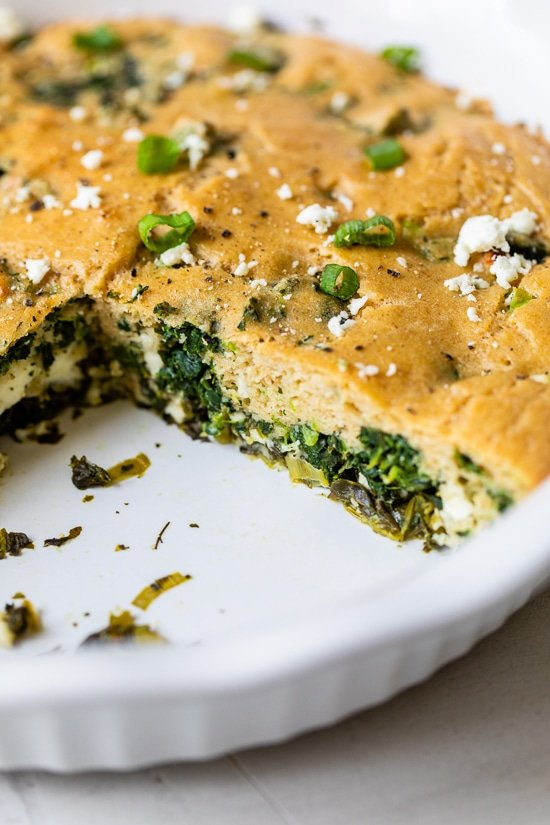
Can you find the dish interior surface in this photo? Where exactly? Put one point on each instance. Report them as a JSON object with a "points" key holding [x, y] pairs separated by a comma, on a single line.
{"points": [[271, 563]]}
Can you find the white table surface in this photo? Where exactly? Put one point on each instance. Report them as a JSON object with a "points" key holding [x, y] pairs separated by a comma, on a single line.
{"points": [[471, 745]]}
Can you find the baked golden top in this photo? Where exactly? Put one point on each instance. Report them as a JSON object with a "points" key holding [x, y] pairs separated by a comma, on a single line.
{"points": [[431, 363]]}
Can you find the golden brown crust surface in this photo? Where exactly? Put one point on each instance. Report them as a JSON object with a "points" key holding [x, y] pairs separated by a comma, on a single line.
{"points": [[462, 383]]}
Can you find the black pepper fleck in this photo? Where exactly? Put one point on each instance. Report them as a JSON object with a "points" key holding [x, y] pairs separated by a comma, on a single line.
{"points": [[226, 233]]}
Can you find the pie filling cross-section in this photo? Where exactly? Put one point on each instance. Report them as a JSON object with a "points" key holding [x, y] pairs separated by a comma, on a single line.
{"points": [[285, 242]]}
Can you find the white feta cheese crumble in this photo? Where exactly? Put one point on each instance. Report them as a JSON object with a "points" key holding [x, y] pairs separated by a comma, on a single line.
{"points": [[243, 267], [232, 173], [192, 139], [256, 283], [313, 270], [399, 172], [480, 234], [498, 149], [87, 197], [319, 217], [392, 369], [485, 232], [174, 80], [356, 304], [465, 284], [132, 135], [180, 254], [274, 171], [77, 114], [370, 212], [524, 222], [338, 324], [11, 27], [185, 61], [22, 194], [339, 102], [346, 201], [246, 80], [284, 192], [50, 202], [472, 315], [507, 268], [400, 261], [37, 269], [92, 159], [367, 370], [236, 210]]}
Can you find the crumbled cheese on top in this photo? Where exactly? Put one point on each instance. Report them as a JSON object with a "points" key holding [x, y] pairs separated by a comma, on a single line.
{"points": [[524, 222], [356, 304], [132, 135], [485, 232], [78, 114], [87, 197], [50, 202], [320, 217], [507, 268], [367, 370], [480, 234], [192, 140], [284, 192], [92, 159], [339, 102], [472, 315], [180, 254], [345, 200], [392, 369], [37, 269], [243, 267], [338, 324], [465, 284], [246, 80]]}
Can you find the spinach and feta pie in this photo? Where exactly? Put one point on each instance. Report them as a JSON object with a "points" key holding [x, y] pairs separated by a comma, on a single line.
{"points": [[285, 242]]}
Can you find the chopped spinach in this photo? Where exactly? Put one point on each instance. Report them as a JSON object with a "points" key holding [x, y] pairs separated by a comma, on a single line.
{"points": [[11, 544], [85, 474]]}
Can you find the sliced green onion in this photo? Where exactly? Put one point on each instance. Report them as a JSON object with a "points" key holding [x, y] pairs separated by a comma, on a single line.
{"points": [[157, 154], [376, 231], [100, 39], [518, 298], [404, 58], [182, 226], [386, 154], [340, 281], [259, 58]]}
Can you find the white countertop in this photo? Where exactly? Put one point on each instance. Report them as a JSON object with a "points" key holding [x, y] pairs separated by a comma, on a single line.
{"points": [[471, 745]]}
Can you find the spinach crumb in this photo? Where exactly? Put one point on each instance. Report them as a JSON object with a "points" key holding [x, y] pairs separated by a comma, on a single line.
{"points": [[11, 544], [73, 533], [86, 474], [18, 621], [122, 628]]}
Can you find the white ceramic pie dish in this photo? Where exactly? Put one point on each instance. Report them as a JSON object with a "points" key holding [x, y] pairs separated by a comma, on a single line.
{"points": [[296, 614]]}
